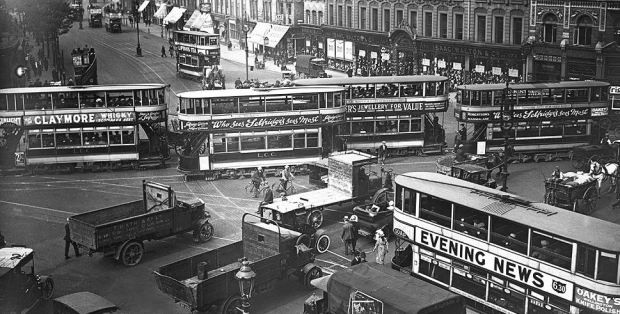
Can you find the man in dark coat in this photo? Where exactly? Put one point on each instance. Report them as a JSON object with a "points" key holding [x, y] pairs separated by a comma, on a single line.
{"points": [[68, 242], [355, 230], [347, 235]]}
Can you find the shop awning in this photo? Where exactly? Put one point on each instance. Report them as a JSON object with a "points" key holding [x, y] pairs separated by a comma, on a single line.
{"points": [[205, 23], [161, 12], [258, 34], [276, 33], [143, 5], [191, 21], [174, 15]]}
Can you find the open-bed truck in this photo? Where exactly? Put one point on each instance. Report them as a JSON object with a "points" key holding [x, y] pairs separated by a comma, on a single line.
{"points": [[119, 231], [206, 282]]}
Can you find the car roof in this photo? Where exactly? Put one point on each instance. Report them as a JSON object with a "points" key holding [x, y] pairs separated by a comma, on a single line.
{"points": [[86, 302]]}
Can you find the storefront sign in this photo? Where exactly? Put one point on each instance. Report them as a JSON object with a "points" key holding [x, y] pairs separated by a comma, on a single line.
{"points": [[596, 301], [187, 49], [513, 72], [496, 264], [496, 71], [475, 52], [348, 50], [548, 58], [614, 90], [331, 48], [426, 62], [373, 55], [13, 120], [441, 64], [480, 68], [79, 118], [599, 112], [385, 56], [308, 44], [340, 49], [262, 122], [362, 53], [156, 116], [457, 66]]}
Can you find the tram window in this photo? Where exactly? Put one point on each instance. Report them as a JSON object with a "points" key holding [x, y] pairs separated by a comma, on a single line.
{"points": [[412, 90], [64, 100], [409, 201], [387, 90], [470, 221], [507, 298], [548, 129], [299, 140], [607, 267], [312, 139], [434, 268], [404, 126], [115, 138], [441, 88], [431, 89], [219, 143], [464, 96], [604, 94], [435, 210], [232, 144], [306, 101], [252, 143], [509, 235], [89, 138], [68, 139], [416, 125], [251, 104], [470, 279], [92, 99], [338, 99], [383, 126], [120, 99], [4, 105], [37, 101], [559, 304], [279, 141], [194, 106], [277, 103], [551, 250], [575, 128], [586, 260], [577, 95], [35, 141], [330, 100], [224, 105], [525, 129], [184, 102], [362, 127], [48, 140], [128, 137]]}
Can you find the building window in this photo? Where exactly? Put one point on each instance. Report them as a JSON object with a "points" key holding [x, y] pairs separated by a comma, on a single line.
{"points": [[340, 17], [308, 17], [458, 26], [374, 18], [481, 28], [399, 17], [386, 20], [499, 29], [517, 30], [413, 19], [428, 24], [314, 20], [362, 18], [331, 14], [443, 25], [349, 17], [550, 28], [320, 17], [583, 31]]}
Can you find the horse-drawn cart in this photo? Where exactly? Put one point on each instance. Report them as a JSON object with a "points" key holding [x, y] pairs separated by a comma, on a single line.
{"points": [[582, 154], [576, 195]]}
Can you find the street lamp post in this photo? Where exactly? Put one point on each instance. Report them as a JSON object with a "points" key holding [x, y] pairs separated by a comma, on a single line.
{"points": [[246, 29], [506, 128], [136, 15], [246, 277]]}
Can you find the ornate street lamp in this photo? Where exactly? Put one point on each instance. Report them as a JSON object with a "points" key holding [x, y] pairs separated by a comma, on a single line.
{"points": [[246, 29], [246, 277], [136, 18]]}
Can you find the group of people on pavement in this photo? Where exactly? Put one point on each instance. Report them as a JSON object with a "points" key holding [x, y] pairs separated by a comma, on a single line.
{"points": [[350, 235]]}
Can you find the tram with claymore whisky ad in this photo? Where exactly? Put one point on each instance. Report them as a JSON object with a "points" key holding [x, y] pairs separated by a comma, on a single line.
{"points": [[405, 112], [93, 127], [504, 253], [231, 132], [543, 121]]}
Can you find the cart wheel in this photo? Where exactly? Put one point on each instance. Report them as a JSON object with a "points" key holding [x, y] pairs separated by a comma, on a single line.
{"points": [[315, 219], [591, 199], [232, 305], [314, 273], [322, 243], [47, 288], [205, 232], [132, 253], [303, 239]]}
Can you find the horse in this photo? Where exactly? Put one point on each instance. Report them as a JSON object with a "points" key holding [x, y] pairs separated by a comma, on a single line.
{"points": [[609, 170]]}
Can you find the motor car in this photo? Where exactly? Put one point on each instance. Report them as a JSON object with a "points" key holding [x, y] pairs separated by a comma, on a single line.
{"points": [[83, 303]]}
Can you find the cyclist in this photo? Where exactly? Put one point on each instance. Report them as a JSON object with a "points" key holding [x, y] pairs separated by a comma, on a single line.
{"points": [[287, 177], [258, 177]]}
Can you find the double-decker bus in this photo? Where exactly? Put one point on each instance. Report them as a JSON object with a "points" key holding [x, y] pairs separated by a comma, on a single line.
{"points": [[506, 254], [88, 127], [544, 120], [404, 111], [230, 132], [84, 66], [197, 53]]}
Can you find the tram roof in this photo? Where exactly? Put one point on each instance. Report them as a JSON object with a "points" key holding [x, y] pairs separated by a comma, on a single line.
{"points": [[80, 88], [570, 225], [197, 33], [522, 86], [359, 80], [257, 92]]}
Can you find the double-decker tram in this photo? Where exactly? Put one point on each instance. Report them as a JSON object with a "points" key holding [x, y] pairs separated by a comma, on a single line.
{"points": [[197, 53], [89, 127], [404, 111], [543, 120], [231, 132], [504, 253]]}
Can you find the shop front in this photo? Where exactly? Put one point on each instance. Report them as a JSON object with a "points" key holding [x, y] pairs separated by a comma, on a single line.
{"points": [[309, 40], [366, 53]]}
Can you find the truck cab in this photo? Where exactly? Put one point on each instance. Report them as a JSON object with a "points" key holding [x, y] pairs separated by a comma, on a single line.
{"points": [[20, 286]]}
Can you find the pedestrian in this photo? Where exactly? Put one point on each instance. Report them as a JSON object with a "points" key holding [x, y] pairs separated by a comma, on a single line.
{"points": [[360, 257], [355, 231], [381, 246], [463, 133], [68, 242], [171, 49], [605, 140], [383, 152], [163, 51], [347, 235], [45, 64]]}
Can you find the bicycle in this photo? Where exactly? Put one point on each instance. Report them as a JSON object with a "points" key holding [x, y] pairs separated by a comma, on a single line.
{"points": [[251, 190], [290, 188]]}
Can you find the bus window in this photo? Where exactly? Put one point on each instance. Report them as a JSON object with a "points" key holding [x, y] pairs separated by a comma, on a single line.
{"points": [[92, 99], [68, 139], [48, 140], [35, 141], [232, 144], [431, 89], [224, 105], [404, 126], [252, 143], [251, 104], [277, 103], [554, 251], [219, 143], [128, 137], [435, 268], [577, 95], [508, 295], [65, 100], [409, 201], [312, 139], [37, 101], [469, 278], [470, 221], [362, 127], [120, 99], [607, 267], [435, 210], [279, 141], [115, 138], [508, 234], [586, 260]]}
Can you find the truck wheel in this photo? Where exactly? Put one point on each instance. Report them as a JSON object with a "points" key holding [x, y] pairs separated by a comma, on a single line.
{"points": [[315, 219], [132, 253], [47, 288], [322, 243], [303, 239], [205, 232], [232, 305], [314, 273]]}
